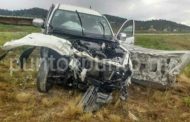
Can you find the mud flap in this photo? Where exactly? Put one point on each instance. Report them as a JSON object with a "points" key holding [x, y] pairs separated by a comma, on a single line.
{"points": [[3, 55], [93, 99], [25, 55]]}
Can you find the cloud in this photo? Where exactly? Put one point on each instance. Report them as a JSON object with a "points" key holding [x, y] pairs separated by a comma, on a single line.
{"points": [[175, 10]]}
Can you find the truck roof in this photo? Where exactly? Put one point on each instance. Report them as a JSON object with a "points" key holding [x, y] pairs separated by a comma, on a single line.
{"points": [[79, 9]]}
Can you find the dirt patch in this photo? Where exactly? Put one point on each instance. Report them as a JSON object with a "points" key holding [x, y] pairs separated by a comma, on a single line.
{"points": [[23, 97]]}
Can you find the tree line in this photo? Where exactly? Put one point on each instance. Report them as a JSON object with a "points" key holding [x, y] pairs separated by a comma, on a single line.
{"points": [[116, 22]]}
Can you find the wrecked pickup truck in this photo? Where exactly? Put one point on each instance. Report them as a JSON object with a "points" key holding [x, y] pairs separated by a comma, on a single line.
{"points": [[79, 49]]}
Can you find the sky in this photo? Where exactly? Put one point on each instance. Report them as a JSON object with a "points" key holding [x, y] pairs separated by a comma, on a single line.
{"points": [[175, 10]]}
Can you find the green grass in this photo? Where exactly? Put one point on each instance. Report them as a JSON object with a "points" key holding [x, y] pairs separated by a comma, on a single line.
{"points": [[17, 28], [8, 36], [187, 71], [154, 42], [187, 101], [12, 32], [164, 42]]}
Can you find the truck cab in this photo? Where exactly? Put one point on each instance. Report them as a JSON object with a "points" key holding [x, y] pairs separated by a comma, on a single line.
{"points": [[85, 22]]}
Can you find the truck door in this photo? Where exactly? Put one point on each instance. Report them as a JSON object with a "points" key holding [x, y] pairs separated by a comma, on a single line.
{"points": [[126, 34]]}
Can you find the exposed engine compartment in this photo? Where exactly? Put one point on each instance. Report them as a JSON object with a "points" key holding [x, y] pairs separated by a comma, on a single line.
{"points": [[97, 67], [83, 73]]}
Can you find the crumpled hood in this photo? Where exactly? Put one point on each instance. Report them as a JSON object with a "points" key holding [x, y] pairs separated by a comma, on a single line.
{"points": [[60, 45]]}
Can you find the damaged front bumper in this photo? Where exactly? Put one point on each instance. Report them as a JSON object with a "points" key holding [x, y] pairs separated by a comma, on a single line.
{"points": [[99, 91]]}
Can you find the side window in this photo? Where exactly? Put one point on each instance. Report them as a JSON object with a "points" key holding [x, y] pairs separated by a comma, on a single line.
{"points": [[126, 30]]}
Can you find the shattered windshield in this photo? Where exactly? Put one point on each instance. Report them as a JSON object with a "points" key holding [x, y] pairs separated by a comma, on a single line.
{"points": [[82, 24]]}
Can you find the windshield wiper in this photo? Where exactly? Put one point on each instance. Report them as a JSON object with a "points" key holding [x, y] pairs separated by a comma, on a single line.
{"points": [[80, 22]]}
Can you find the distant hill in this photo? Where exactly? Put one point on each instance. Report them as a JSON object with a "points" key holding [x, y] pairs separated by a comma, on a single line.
{"points": [[150, 26], [33, 12], [116, 22], [162, 25]]}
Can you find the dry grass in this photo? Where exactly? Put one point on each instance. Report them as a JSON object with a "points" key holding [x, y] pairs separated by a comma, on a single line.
{"points": [[60, 105]]}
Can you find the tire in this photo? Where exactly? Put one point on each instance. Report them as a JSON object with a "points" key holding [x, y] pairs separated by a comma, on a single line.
{"points": [[43, 83]]}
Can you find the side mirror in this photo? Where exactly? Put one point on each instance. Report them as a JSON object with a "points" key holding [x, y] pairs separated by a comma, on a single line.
{"points": [[122, 36], [38, 22]]}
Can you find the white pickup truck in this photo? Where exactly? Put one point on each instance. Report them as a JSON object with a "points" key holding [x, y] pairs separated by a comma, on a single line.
{"points": [[80, 50]]}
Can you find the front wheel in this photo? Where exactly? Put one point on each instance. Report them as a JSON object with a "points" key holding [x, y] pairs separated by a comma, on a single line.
{"points": [[43, 83]]}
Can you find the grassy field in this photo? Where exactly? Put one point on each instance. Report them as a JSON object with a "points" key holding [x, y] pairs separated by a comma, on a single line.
{"points": [[20, 101], [164, 42], [16, 28]]}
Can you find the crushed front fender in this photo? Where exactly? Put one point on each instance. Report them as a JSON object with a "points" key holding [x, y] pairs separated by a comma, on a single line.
{"points": [[61, 46]]}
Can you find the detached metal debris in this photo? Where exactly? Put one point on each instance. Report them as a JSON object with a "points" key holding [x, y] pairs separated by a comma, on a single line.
{"points": [[79, 49], [157, 68]]}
